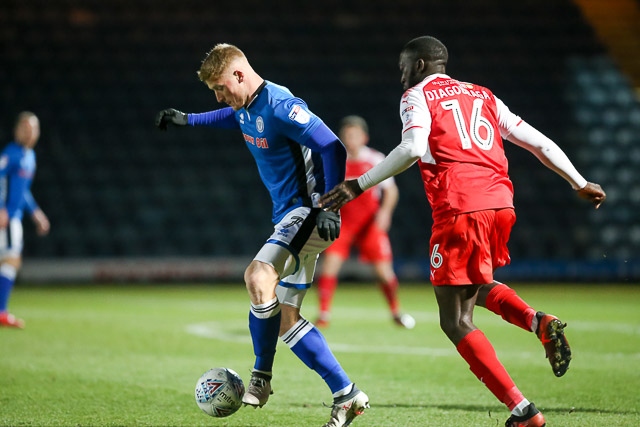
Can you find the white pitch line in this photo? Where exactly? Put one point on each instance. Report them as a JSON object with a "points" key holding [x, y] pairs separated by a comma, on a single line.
{"points": [[215, 330], [228, 331], [610, 327]]}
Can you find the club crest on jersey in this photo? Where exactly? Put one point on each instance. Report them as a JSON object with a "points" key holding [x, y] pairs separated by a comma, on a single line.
{"points": [[299, 115], [260, 124], [241, 118]]}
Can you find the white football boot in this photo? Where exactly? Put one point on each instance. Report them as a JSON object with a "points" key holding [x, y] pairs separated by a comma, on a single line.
{"points": [[346, 408], [258, 392]]}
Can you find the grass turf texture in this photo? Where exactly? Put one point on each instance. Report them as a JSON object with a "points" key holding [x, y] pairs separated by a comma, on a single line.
{"points": [[130, 356]]}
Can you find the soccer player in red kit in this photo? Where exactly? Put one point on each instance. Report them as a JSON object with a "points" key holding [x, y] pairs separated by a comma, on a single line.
{"points": [[365, 225], [454, 130]]}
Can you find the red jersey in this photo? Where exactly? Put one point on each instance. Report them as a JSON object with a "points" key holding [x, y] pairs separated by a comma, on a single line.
{"points": [[368, 203], [359, 227], [464, 168]]}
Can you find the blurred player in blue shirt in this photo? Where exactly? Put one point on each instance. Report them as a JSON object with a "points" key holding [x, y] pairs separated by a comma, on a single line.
{"points": [[17, 168], [299, 158]]}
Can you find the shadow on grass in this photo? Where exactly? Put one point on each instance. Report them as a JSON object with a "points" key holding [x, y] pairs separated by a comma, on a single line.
{"points": [[498, 409]]}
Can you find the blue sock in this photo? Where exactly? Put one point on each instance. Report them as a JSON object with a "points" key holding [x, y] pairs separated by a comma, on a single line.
{"points": [[7, 278], [306, 342], [264, 325]]}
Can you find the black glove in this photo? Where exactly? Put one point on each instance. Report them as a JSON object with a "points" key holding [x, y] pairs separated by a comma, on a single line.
{"points": [[170, 115], [328, 225]]}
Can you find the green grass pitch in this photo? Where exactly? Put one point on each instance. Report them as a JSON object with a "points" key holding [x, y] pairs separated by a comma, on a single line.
{"points": [[130, 355]]}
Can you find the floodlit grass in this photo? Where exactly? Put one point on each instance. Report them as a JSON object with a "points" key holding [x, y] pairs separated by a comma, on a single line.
{"points": [[130, 356]]}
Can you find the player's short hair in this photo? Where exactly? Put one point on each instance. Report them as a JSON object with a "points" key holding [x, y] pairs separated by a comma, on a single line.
{"points": [[354, 120], [217, 61], [25, 115], [428, 48]]}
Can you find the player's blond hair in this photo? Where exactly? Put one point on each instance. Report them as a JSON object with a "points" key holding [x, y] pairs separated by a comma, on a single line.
{"points": [[217, 61]]}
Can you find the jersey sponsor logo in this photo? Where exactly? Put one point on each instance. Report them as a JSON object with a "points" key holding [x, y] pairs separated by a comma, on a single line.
{"points": [[258, 142], [299, 115], [260, 124]]}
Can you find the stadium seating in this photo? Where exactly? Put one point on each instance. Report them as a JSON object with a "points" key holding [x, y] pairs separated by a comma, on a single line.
{"points": [[96, 73]]}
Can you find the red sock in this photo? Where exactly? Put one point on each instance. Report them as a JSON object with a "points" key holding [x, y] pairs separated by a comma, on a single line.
{"points": [[326, 288], [476, 349], [504, 301], [390, 291]]}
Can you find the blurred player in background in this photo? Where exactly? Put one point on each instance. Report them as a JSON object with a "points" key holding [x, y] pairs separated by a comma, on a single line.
{"points": [[17, 168], [298, 158], [365, 224], [454, 131]]}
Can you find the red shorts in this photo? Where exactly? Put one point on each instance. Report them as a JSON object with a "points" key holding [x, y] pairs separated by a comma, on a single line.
{"points": [[467, 248], [372, 243]]}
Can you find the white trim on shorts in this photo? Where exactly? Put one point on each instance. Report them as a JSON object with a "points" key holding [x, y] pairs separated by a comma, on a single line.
{"points": [[11, 239], [293, 250]]}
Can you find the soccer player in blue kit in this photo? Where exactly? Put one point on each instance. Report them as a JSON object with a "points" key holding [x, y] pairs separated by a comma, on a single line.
{"points": [[17, 168], [298, 158]]}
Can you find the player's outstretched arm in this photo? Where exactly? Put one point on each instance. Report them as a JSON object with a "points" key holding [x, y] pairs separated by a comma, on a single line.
{"points": [[340, 195], [593, 193], [552, 156], [399, 159], [223, 118]]}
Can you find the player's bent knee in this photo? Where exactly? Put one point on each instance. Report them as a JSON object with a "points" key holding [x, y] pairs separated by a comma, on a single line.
{"points": [[261, 280], [454, 328], [448, 326]]}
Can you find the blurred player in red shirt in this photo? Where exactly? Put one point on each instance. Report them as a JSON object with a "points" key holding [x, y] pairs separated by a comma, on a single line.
{"points": [[455, 131], [365, 225]]}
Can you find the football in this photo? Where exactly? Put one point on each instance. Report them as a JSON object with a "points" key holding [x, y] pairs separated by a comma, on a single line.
{"points": [[219, 392]]}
